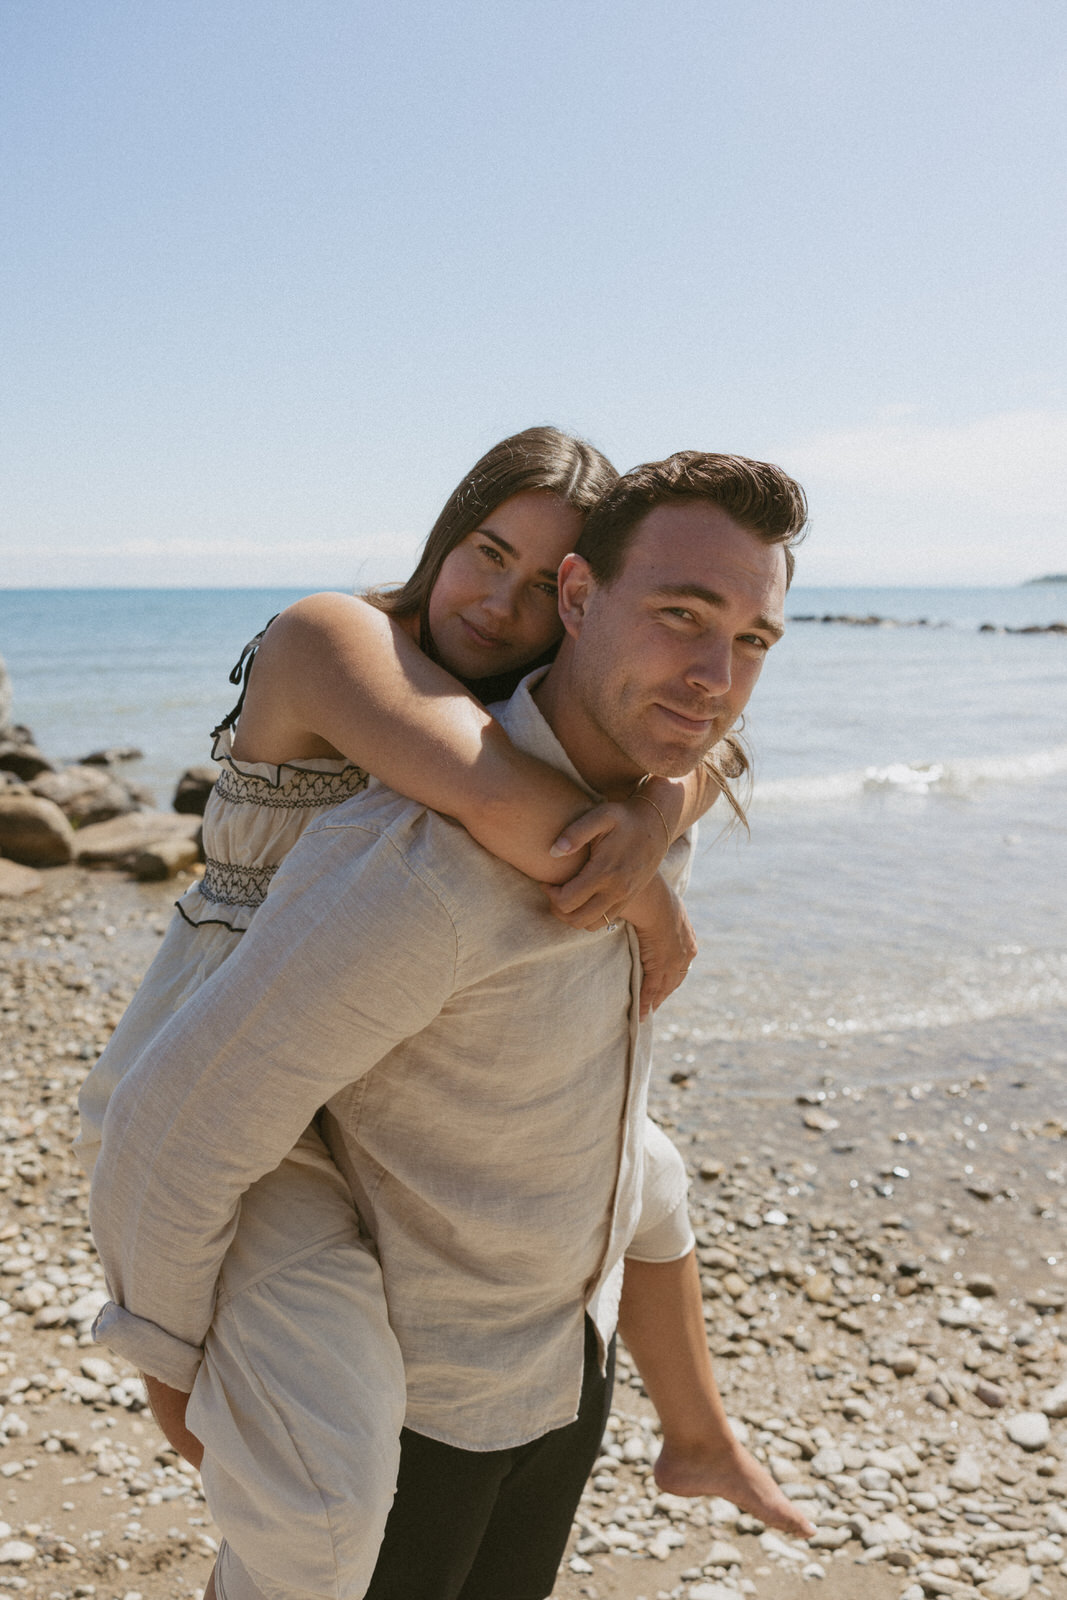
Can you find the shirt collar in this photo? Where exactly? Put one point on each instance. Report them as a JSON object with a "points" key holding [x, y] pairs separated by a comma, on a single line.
{"points": [[525, 726]]}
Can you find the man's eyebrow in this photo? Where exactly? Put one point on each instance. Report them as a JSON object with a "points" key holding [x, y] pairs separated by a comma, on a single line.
{"points": [[509, 549], [711, 597]]}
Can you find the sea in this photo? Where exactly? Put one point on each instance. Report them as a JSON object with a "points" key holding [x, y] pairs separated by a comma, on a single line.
{"points": [[903, 880]]}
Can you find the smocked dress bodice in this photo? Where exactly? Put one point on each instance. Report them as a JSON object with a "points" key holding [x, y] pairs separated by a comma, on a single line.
{"points": [[255, 814]]}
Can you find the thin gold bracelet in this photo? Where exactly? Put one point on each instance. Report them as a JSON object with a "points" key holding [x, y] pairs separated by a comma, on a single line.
{"points": [[639, 794]]}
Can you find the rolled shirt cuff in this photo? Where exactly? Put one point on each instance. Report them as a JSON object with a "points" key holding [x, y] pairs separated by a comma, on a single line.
{"points": [[670, 1239], [149, 1347]]}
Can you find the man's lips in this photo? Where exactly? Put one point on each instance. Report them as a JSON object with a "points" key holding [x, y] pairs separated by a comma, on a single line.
{"points": [[688, 721]]}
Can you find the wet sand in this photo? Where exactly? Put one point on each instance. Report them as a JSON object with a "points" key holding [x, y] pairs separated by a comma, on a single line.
{"points": [[884, 1256]]}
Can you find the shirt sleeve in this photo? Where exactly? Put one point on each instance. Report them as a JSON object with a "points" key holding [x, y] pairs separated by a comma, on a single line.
{"points": [[351, 953], [664, 1232]]}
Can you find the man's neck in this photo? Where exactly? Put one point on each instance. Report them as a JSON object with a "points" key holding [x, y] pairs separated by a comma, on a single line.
{"points": [[598, 760]]}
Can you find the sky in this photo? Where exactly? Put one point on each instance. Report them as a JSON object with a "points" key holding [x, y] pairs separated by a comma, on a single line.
{"points": [[273, 276]]}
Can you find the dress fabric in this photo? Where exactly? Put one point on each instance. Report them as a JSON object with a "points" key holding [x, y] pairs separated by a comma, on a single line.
{"points": [[254, 815]]}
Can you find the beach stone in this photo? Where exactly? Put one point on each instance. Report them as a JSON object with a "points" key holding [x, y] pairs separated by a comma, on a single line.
{"points": [[16, 1553], [966, 1475], [819, 1288], [112, 756], [194, 786], [829, 1538], [775, 1544], [17, 880], [981, 1286], [711, 1591], [820, 1121], [34, 831], [888, 1530], [723, 1554], [1013, 1583], [1054, 1404], [990, 1394], [84, 794], [904, 1363], [165, 860], [1044, 1553], [19, 755], [1029, 1430], [827, 1462], [118, 843]]}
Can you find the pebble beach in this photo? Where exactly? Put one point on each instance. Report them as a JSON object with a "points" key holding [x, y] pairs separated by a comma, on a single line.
{"points": [[884, 1279]]}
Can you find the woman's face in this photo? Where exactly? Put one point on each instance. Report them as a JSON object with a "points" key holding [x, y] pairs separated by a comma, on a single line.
{"points": [[493, 607]]}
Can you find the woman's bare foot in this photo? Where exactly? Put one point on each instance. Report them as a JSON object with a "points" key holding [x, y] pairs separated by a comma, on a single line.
{"points": [[735, 1476]]}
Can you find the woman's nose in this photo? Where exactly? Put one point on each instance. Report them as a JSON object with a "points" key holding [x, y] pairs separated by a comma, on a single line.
{"points": [[502, 599]]}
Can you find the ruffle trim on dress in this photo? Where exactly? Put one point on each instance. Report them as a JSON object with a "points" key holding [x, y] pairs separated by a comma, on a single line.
{"points": [[340, 777]]}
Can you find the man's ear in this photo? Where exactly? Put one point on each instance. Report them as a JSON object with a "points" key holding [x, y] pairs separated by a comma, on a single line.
{"points": [[576, 586]]}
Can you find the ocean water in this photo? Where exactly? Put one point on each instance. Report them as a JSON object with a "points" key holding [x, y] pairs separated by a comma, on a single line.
{"points": [[906, 874]]}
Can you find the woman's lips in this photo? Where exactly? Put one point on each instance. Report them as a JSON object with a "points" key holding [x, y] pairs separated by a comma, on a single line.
{"points": [[488, 641]]}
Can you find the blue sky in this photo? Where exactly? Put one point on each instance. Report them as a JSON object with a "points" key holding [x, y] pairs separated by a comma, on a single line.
{"points": [[272, 276]]}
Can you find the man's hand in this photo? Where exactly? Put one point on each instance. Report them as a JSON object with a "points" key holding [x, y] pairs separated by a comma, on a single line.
{"points": [[168, 1408]]}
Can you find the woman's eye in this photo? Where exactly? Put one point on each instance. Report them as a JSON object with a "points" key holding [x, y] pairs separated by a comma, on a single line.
{"points": [[493, 553]]}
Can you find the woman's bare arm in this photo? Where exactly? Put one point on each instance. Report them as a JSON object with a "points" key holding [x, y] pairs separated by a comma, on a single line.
{"points": [[335, 676]]}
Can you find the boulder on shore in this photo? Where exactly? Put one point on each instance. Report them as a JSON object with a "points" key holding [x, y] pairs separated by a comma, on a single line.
{"points": [[85, 794], [19, 753], [17, 880], [34, 830], [120, 842], [194, 786]]}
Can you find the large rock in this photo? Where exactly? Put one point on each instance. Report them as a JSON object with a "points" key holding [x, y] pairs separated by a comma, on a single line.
{"points": [[34, 831], [20, 755], [112, 756], [194, 786], [120, 842], [16, 880], [166, 858], [85, 794]]}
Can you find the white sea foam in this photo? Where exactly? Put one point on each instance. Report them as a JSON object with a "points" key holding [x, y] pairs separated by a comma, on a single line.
{"points": [[913, 777]]}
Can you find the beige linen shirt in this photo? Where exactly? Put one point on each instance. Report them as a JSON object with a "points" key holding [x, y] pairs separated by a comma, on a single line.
{"points": [[485, 1078]]}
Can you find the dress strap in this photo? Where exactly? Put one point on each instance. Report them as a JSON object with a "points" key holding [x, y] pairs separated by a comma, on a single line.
{"points": [[241, 673]]}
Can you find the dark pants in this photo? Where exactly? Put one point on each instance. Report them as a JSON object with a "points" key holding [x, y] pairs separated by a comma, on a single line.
{"points": [[490, 1525]]}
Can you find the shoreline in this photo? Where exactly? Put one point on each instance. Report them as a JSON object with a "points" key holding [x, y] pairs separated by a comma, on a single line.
{"points": [[875, 1333]]}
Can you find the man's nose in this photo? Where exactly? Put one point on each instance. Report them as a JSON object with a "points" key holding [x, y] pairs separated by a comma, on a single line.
{"points": [[711, 669]]}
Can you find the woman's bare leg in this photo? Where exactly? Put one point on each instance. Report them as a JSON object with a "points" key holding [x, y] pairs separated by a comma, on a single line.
{"points": [[661, 1318]]}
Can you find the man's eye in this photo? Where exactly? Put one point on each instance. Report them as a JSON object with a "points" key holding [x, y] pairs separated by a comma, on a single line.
{"points": [[679, 612], [757, 639], [549, 589]]}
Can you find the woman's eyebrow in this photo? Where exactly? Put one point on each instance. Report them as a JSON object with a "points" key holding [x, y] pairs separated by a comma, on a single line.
{"points": [[509, 549]]}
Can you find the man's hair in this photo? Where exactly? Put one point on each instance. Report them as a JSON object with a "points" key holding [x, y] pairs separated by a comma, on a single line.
{"points": [[756, 494]]}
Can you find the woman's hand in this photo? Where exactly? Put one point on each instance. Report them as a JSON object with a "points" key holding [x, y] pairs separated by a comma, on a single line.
{"points": [[627, 841], [666, 940]]}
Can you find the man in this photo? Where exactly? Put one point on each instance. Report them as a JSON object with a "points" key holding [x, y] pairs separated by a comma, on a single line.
{"points": [[484, 1075]]}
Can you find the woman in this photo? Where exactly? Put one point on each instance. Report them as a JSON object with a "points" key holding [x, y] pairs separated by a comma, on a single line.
{"points": [[335, 678]]}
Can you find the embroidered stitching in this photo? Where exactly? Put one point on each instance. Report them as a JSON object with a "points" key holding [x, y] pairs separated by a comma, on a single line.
{"points": [[230, 885], [302, 791]]}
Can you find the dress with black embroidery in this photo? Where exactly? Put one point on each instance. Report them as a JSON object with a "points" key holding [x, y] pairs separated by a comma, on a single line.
{"points": [[255, 814]]}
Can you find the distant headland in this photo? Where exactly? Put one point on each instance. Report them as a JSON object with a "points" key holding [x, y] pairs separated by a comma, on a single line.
{"points": [[1050, 577]]}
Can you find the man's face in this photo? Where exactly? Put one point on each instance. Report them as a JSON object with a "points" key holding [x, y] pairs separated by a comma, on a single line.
{"points": [[666, 656]]}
